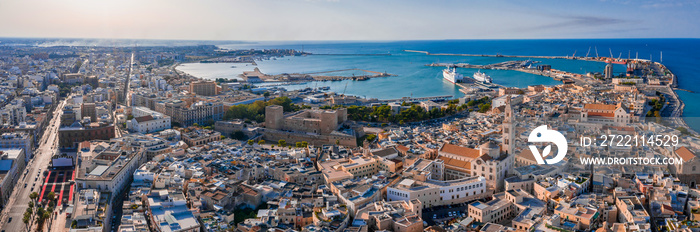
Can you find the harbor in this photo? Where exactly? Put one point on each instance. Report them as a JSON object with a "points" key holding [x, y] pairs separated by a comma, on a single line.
{"points": [[526, 66], [256, 76], [611, 59]]}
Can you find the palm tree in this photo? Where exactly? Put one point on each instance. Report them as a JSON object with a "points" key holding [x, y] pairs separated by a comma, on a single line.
{"points": [[51, 196], [34, 196], [25, 219], [46, 215], [30, 204]]}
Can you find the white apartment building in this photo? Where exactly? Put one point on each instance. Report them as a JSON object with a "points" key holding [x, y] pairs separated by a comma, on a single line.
{"points": [[18, 140], [148, 121]]}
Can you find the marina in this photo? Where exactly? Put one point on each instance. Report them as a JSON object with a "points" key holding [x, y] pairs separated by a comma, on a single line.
{"points": [[411, 70]]}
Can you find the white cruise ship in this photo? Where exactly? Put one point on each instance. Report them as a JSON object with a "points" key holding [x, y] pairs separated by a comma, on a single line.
{"points": [[479, 76], [451, 75]]}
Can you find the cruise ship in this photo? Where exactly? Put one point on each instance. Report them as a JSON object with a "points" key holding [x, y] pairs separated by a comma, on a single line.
{"points": [[451, 75], [479, 76]]}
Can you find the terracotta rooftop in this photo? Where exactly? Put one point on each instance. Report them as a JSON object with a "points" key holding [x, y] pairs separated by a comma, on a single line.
{"points": [[599, 107], [455, 162], [402, 148], [685, 153], [460, 151]]}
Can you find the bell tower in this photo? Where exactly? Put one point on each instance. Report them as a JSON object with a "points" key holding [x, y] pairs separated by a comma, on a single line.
{"points": [[508, 128]]}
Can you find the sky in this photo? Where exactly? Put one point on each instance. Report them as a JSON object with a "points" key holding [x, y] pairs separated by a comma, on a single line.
{"points": [[257, 20]]}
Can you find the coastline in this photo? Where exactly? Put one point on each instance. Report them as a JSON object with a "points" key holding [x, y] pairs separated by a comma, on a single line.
{"points": [[676, 115]]}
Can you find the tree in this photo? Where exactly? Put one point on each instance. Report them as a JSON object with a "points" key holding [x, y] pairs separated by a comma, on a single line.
{"points": [[282, 143], [30, 204], [34, 196], [25, 219], [337, 142], [195, 124], [45, 215], [51, 196], [483, 108], [261, 142], [51, 204], [250, 142], [371, 137], [298, 144], [266, 94], [304, 144]]}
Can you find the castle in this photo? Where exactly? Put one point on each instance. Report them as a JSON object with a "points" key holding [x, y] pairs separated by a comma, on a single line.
{"points": [[317, 127]]}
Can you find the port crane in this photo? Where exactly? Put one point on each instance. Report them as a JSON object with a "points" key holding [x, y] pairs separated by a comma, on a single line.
{"points": [[589, 51], [574, 56], [611, 56], [346, 88], [596, 52]]}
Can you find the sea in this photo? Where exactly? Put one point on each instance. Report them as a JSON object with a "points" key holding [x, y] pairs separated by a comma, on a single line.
{"points": [[415, 79]]}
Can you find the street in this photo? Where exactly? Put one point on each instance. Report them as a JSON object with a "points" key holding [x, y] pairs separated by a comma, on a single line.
{"points": [[17, 204]]}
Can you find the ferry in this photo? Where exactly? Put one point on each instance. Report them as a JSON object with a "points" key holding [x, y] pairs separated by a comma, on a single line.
{"points": [[479, 76], [451, 75]]}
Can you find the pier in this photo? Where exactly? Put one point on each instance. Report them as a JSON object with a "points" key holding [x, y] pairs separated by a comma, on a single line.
{"points": [[586, 58], [507, 65], [382, 54], [256, 76]]}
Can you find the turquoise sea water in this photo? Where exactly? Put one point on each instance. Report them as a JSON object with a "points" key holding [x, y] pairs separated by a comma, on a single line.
{"points": [[415, 79]]}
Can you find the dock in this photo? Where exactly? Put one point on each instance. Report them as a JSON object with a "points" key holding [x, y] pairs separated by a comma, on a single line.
{"points": [[520, 66], [598, 59], [507, 65], [257, 76]]}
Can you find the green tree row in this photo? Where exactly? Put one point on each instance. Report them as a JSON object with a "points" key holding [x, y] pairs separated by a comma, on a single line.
{"points": [[256, 110]]}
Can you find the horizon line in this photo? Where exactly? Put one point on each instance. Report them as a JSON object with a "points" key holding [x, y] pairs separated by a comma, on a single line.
{"points": [[351, 40]]}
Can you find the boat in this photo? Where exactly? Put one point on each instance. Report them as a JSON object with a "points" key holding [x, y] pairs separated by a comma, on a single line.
{"points": [[451, 75], [479, 76], [324, 88]]}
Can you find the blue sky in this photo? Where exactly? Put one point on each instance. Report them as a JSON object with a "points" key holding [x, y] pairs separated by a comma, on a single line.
{"points": [[349, 19]]}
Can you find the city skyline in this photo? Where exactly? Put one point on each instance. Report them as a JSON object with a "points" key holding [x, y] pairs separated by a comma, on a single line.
{"points": [[348, 20]]}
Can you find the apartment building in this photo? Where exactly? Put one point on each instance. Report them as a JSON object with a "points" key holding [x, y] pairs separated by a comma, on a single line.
{"points": [[424, 180]]}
